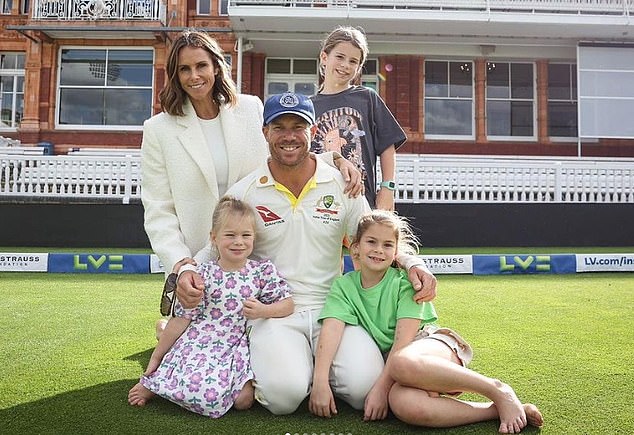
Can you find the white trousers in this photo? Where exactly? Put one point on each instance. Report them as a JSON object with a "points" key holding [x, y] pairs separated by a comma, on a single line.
{"points": [[282, 351]]}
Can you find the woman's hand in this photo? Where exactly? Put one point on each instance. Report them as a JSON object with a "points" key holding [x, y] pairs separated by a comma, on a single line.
{"points": [[190, 289]]}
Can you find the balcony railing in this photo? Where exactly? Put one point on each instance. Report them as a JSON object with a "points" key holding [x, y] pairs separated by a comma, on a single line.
{"points": [[596, 7], [92, 10]]}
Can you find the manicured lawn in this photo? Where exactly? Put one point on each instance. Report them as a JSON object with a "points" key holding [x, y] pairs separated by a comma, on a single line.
{"points": [[72, 346]]}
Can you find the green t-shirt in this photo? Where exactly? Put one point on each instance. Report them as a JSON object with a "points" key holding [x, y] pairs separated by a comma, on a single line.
{"points": [[376, 309]]}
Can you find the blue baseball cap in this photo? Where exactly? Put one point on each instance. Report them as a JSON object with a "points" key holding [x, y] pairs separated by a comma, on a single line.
{"points": [[289, 102]]}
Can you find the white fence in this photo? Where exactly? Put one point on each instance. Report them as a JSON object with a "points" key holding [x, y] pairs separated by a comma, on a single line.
{"points": [[73, 177], [421, 178], [427, 178]]}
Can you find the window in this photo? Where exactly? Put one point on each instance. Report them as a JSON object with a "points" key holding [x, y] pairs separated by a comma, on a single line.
{"points": [[24, 7], [111, 87], [369, 74], [203, 7], [448, 98], [11, 90], [510, 100], [6, 6], [562, 100], [287, 74]]}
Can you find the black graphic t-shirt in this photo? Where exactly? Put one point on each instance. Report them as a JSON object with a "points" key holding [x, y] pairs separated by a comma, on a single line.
{"points": [[357, 124]]}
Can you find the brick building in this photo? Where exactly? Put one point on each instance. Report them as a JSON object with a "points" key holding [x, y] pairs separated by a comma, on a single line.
{"points": [[495, 77]]}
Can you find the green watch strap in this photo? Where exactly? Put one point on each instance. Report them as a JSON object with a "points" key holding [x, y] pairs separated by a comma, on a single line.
{"points": [[391, 185]]}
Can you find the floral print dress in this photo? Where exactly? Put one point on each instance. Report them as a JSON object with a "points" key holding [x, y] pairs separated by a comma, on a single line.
{"points": [[208, 365]]}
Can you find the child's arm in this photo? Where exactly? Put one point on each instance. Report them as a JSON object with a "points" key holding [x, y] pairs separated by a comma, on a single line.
{"points": [[322, 402], [385, 196], [376, 405], [351, 175], [254, 309], [174, 329]]}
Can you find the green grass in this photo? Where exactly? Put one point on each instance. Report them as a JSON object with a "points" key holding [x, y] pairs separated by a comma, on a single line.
{"points": [[73, 345]]}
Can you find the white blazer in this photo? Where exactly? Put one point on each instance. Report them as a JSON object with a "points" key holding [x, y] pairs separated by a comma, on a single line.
{"points": [[179, 190]]}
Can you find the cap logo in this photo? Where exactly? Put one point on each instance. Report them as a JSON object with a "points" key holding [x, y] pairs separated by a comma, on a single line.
{"points": [[289, 100]]}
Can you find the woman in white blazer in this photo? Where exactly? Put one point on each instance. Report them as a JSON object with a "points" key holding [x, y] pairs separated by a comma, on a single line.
{"points": [[207, 138]]}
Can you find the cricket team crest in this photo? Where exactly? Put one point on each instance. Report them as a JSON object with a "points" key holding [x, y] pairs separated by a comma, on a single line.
{"points": [[328, 200], [327, 209]]}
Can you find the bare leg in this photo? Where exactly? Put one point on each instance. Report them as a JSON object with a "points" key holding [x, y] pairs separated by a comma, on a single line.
{"points": [[420, 408], [139, 395], [430, 365], [245, 398]]}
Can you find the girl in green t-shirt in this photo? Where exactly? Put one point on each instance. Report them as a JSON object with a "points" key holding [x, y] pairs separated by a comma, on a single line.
{"points": [[425, 365]]}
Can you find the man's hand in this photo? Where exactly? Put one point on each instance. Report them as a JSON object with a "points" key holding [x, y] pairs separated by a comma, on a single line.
{"points": [[190, 289], [351, 175], [322, 402], [375, 407], [424, 283]]}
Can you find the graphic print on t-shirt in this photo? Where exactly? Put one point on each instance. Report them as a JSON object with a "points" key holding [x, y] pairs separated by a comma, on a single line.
{"points": [[340, 130]]}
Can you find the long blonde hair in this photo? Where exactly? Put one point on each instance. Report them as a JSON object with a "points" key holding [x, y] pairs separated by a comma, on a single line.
{"points": [[406, 241], [173, 96]]}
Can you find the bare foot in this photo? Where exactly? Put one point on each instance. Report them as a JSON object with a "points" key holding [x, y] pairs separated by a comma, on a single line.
{"points": [[510, 410], [139, 395], [533, 416], [245, 398], [160, 327]]}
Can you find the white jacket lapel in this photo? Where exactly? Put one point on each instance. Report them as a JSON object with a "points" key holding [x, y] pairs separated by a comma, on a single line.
{"points": [[233, 128]]}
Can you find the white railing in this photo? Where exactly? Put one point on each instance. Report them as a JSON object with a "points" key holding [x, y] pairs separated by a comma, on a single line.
{"points": [[619, 7], [78, 10], [72, 177], [420, 178], [426, 178]]}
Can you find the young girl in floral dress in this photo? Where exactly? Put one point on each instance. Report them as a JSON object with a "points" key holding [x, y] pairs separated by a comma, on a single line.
{"points": [[201, 361]]}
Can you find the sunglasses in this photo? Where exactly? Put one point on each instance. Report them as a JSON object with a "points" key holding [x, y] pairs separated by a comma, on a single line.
{"points": [[167, 298]]}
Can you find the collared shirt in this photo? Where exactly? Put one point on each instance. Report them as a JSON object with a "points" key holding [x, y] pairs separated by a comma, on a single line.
{"points": [[302, 235]]}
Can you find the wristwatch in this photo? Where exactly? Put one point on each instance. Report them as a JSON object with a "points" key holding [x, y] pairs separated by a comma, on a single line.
{"points": [[391, 185]]}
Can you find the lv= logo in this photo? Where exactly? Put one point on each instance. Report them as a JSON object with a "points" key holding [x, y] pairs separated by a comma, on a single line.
{"points": [[114, 262]]}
